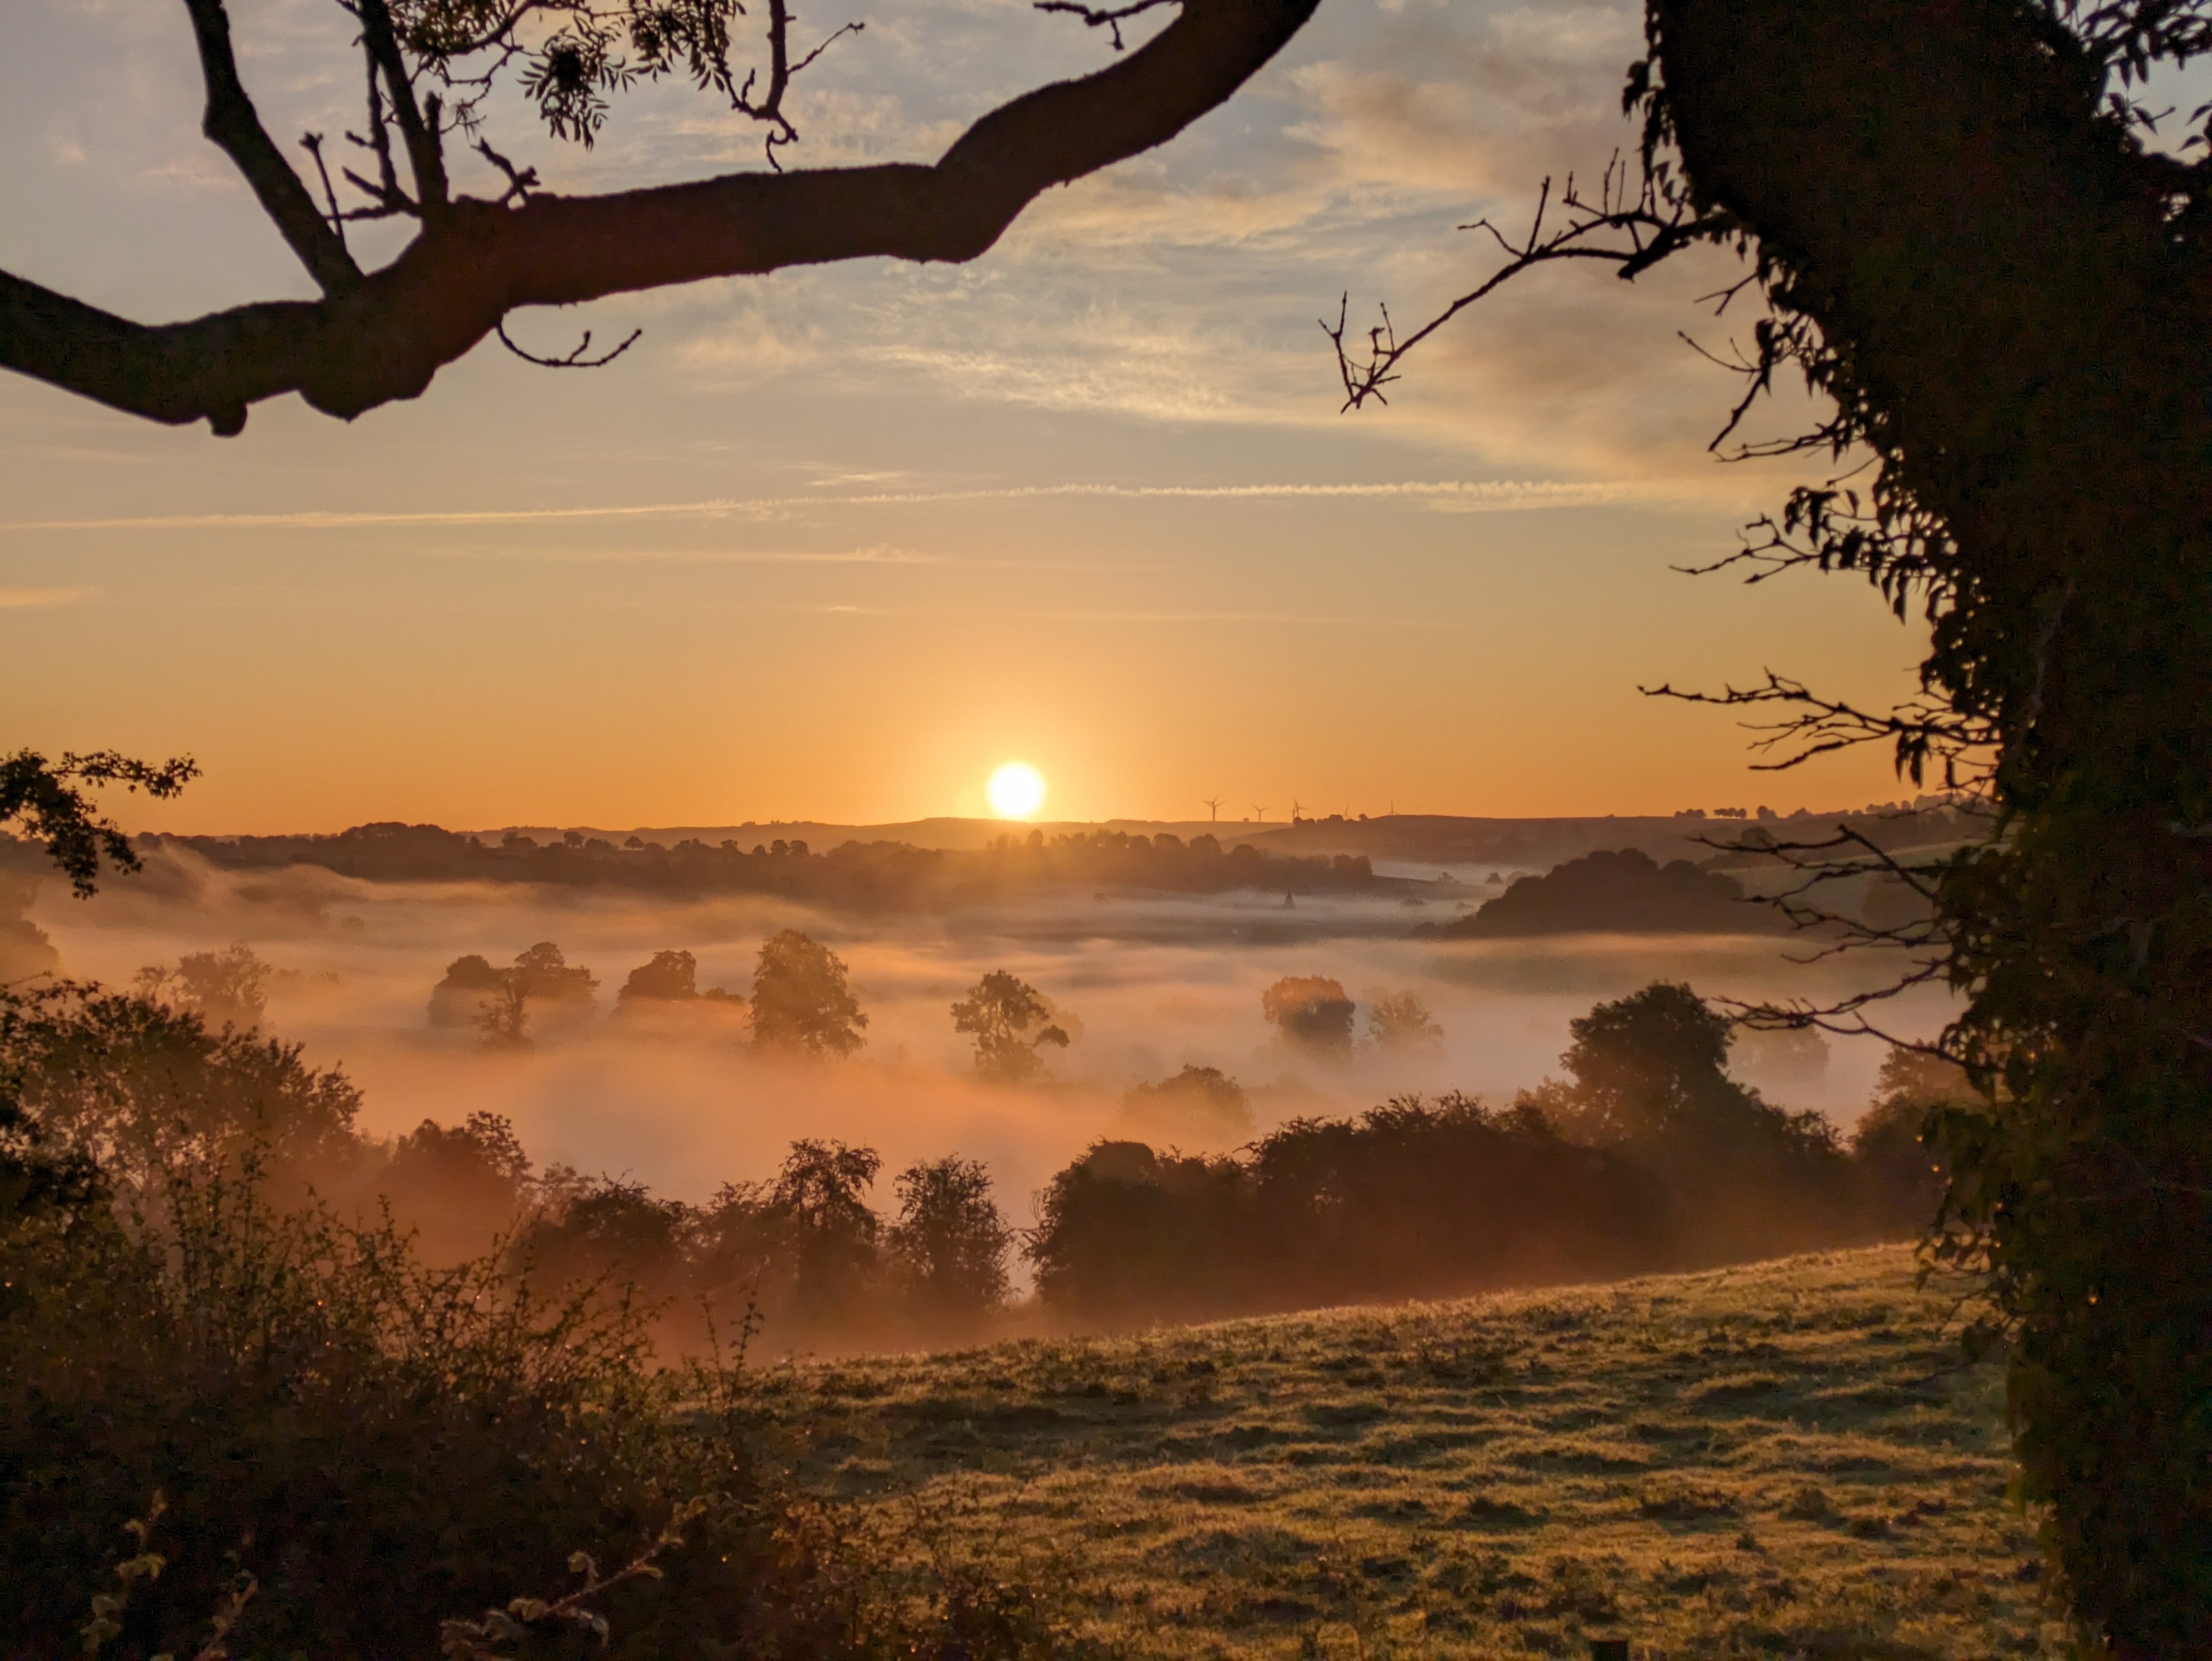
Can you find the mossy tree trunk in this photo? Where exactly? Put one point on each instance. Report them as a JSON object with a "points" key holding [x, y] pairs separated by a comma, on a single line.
{"points": [[2011, 299]]}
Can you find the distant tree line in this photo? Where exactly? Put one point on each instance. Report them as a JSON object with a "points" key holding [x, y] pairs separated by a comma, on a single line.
{"points": [[858, 875], [1647, 1156]]}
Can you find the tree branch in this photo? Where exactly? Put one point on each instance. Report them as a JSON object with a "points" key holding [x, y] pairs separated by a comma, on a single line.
{"points": [[232, 125], [472, 265], [425, 151]]}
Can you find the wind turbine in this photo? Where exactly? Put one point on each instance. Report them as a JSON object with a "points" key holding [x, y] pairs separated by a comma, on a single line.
{"points": [[1296, 809], [1261, 812], [1213, 809]]}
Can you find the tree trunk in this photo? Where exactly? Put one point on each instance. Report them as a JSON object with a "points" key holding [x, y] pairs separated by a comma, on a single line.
{"points": [[2015, 298]]}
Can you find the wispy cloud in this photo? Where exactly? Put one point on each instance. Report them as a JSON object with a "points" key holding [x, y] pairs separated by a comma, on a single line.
{"points": [[29, 599], [1463, 495]]}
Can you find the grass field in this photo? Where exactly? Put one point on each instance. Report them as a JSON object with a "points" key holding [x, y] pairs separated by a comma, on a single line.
{"points": [[1785, 1459]]}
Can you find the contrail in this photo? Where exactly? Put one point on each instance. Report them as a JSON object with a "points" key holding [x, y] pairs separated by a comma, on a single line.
{"points": [[1478, 496]]}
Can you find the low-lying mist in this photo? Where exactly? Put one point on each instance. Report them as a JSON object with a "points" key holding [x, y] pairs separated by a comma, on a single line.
{"points": [[1143, 984]]}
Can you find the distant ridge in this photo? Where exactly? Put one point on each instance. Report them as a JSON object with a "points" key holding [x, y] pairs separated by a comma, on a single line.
{"points": [[1438, 839]]}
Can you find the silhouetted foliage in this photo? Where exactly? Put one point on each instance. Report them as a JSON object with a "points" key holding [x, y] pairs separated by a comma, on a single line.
{"points": [[376, 1447], [497, 1002], [228, 988], [1649, 1077], [603, 1235], [671, 976], [1650, 1157], [1199, 1104], [138, 1087], [48, 798], [819, 1196], [801, 1001], [1895, 1142], [1126, 1236], [1312, 1012], [1626, 892], [999, 1013], [950, 1244], [455, 1187]]}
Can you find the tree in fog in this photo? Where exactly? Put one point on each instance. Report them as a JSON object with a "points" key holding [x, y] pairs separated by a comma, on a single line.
{"points": [[801, 1001], [1312, 1013], [502, 1014], [1000, 1012], [672, 977], [1648, 1066], [950, 1243], [1400, 1021], [819, 1196], [25, 950], [141, 1088], [1200, 1105], [497, 1001], [547, 976], [457, 1187], [604, 1230], [478, 1167], [224, 988]]}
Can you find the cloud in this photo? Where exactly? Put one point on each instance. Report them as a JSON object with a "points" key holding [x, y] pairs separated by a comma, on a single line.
{"points": [[1463, 495], [25, 600]]}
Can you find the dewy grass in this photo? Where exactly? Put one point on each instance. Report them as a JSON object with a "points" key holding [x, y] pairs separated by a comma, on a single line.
{"points": [[1787, 1459]]}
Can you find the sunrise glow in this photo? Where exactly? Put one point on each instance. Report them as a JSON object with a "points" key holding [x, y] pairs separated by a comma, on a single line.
{"points": [[1016, 790]]}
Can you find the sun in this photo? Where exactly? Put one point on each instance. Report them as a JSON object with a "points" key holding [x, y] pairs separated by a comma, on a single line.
{"points": [[1016, 790]]}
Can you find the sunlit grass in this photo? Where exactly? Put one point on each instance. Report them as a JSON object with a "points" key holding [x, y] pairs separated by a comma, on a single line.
{"points": [[1787, 1459]]}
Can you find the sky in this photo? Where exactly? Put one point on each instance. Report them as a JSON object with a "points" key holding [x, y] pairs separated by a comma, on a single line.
{"points": [[835, 543]]}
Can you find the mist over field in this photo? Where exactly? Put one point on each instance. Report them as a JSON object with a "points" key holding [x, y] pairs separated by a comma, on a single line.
{"points": [[1144, 984]]}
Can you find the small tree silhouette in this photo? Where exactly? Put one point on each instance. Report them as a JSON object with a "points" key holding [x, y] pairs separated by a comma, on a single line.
{"points": [[999, 1011]]}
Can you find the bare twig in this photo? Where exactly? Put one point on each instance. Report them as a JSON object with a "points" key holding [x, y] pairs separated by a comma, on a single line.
{"points": [[231, 124], [1110, 17], [313, 144], [1633, 230], [769, 108], [520, 181], [575, 360], [418, 122]]}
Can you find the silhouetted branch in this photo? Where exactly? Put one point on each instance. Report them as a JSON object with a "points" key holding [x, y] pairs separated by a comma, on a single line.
{"points": [[575, 360], [475, 261], [418, 122], [520, 181], [231, 124], [313, 144], [1111, 17], [1923, 728], [769, 109], [45, 797], [1651, 224]]}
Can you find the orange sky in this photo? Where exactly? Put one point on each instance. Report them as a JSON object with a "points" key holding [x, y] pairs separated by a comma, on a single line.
{"points": [[835, 543]]}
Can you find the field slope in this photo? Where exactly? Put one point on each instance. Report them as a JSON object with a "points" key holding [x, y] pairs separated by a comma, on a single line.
{"points": [[1785, 1459]]}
